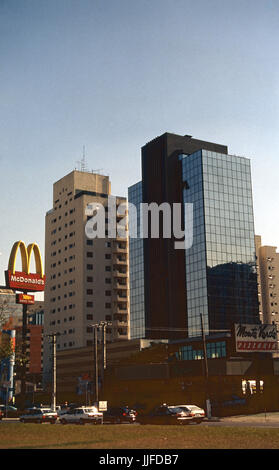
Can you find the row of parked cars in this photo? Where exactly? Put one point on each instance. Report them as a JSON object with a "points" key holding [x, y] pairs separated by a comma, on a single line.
{"points": [[163, 414], [79, 415]]}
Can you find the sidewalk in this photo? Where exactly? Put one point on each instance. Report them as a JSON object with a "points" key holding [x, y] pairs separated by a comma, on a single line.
{"points": [[269, 416]]}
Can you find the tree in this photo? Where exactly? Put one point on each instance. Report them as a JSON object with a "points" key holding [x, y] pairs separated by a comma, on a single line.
{"points": [[6, 346], [5, 342], [3, 313]]}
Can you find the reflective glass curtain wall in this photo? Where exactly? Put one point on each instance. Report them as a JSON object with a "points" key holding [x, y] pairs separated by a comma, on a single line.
{"points": [[221, 278], [136, 260]]}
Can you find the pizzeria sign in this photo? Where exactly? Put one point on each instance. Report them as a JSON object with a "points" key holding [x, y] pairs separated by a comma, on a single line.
{"points": [[251, 338]]}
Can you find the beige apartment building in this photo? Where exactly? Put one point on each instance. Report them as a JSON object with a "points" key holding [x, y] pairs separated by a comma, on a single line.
{"points": [[268, 281], [87, 280]]}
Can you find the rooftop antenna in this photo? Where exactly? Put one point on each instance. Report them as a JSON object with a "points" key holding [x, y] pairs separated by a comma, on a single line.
{"points": [[82, 165]]}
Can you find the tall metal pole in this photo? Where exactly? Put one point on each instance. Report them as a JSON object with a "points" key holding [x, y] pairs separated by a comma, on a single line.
{"points": [[54, 374], [205, 370], [104, 354], [53, 337], [204, 350], [23, 351], [96, 363]]}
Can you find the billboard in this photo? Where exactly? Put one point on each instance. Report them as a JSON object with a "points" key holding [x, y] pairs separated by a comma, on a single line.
{"points": [[24, 280], [255, 338]]}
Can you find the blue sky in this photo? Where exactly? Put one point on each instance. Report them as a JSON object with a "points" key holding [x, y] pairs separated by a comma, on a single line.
{"points": [[111, 75]]}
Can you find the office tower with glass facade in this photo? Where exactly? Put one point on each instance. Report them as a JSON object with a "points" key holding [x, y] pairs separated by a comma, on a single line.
{"points": [[221, 280], [214, 278]]}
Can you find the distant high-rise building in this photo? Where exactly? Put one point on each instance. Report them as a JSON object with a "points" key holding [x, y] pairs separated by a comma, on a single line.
{"points": [[268, 281], [214, 277], [86, 279]]}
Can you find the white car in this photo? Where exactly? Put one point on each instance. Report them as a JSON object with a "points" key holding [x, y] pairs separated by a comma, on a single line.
{"points": [[193, 412], [39, 415], [82, 415]]}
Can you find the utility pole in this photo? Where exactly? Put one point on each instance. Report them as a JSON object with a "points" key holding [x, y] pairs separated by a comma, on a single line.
{"points": [[23, 350], [96, 326], [53, 337], [104, 350], [96, 362], [205, 370]]}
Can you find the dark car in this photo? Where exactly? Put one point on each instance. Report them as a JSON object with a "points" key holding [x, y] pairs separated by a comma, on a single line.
{"points": [[38, 415], [9, 411], [1, 414], [119, 415], [164, 414]]}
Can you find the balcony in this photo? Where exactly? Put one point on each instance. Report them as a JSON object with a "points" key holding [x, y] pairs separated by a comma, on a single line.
{"points": [[121, 333], [120, 247], [123, 238], [120, 260], [120, 274], [119, 296], [120, 310], [123, 319], [120, 284]]}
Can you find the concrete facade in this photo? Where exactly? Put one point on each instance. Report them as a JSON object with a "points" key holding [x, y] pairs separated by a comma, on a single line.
{"points": [[268, 281], [87, 280]]}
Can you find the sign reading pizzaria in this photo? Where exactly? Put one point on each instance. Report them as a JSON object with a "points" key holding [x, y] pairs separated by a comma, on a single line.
{"points": [[24, 280], [252, 338]]}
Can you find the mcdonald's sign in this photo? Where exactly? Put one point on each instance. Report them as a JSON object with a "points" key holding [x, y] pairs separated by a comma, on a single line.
{"points": [[24, 280], [25, 299]]}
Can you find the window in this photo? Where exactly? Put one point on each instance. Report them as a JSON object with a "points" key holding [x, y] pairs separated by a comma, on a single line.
{"points": [[89, 279], [89, 316], [89, 267], [89, 304], [89, 291]]}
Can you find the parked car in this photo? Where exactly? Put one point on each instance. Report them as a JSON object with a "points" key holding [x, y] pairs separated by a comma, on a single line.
{"points": [[119, 415], [82, 415], [9, 411], [39, 415], [164, 414], [193, 413], [1, 414]]}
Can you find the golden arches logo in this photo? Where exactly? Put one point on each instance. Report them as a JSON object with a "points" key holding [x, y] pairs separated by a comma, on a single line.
{"points": [[26, 257], [24, 280]]}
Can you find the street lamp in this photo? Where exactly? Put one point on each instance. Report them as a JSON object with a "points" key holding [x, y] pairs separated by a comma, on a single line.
{"points": [[53, 337], [102, 325], [205, 371]]}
